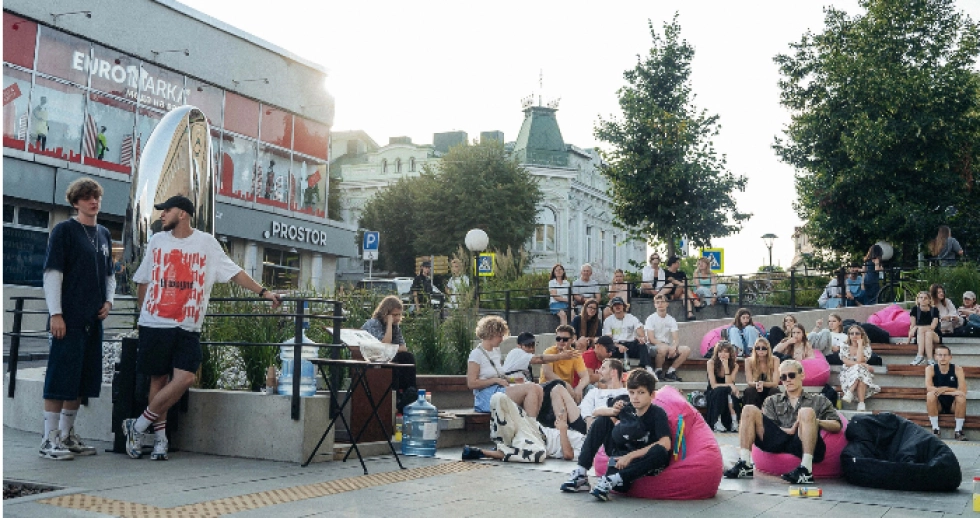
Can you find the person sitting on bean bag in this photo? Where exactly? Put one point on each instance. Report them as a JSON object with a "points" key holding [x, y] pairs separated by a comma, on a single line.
{"points": [[639, 440], [789, 422]]}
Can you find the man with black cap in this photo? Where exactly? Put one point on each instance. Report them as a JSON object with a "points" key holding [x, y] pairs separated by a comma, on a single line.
{"points": [[174, 285], [517, 365], [422, 285], [627, 334]]}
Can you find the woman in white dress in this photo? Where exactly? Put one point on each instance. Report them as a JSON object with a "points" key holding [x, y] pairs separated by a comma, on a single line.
{"points": [[857, 377]]}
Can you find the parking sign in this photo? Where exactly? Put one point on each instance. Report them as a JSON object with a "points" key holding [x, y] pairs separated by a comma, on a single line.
{"points": [[370, 246]]}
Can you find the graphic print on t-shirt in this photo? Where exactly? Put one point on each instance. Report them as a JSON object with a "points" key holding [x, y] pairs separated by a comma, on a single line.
{"points": [[177, 286]]}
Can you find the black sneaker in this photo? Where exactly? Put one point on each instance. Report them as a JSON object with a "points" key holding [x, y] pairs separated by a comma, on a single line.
{"points": [[672, 376], [471, 453], [937, 433], [602, 489], [800, 475], [741, 469], [576, 482], [959, 436]]}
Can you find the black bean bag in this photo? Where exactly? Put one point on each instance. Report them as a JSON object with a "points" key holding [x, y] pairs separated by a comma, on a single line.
{"points": [[876, 334], [886, 451]]}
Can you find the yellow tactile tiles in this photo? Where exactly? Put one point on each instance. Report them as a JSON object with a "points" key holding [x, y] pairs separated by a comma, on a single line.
{"points": [[223, 506]]}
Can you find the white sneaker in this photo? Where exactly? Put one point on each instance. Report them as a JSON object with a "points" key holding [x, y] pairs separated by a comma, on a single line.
{"points": [[847, 397], [917, 360], [861, 407], [160, 448], [720, 427], [75, 445], [734, 424], [52, 448]]}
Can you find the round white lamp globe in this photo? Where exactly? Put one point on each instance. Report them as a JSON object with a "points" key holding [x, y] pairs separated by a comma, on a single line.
{"points": [[477, 240]]}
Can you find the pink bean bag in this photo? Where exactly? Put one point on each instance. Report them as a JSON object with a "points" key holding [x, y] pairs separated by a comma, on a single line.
{"points": [[829, 467], [712, 337], [691, 476], [893, 319], [817, 370]]}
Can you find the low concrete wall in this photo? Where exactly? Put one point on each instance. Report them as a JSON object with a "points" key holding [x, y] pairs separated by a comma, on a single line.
{"points": [[218, 422]]}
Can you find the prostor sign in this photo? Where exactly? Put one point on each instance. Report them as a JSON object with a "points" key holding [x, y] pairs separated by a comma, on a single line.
{"points": [[296, 233]]}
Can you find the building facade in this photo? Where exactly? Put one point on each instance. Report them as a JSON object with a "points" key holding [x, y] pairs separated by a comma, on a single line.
{"points": [[84, 90], [575, 218]]}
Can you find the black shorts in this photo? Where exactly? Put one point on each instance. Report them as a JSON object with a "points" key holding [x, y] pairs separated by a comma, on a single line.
{"points": [[775, 440], [946, 404], [163, 349], [75, 364]]}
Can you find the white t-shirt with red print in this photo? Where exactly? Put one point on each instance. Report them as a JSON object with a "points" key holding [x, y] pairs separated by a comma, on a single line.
{"points": [[179, 274]]}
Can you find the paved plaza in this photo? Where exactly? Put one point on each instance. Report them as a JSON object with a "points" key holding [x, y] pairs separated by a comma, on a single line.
{"points": [[192, 485]]}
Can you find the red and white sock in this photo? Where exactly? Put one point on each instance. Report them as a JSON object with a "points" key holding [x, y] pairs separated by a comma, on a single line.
{"points": [[146, 420], [160, 429]]}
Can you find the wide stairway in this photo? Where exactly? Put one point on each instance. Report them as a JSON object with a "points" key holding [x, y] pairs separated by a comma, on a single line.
{"points": [[902, 391]]}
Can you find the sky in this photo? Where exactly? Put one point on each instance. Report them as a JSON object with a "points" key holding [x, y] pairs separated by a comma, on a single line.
{"points": [[418, 68]]}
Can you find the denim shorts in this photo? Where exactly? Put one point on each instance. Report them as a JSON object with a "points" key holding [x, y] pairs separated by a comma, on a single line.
{"points": [[555, 308], [481, 399], [75, 364], [163, 349]]}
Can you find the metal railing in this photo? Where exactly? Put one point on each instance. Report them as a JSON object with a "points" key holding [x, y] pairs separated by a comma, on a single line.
{"points": [[299, 316]]}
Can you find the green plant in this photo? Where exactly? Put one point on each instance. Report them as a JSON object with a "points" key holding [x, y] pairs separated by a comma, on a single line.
{"points": [[421, 331], [807, 290], [457, 335]]}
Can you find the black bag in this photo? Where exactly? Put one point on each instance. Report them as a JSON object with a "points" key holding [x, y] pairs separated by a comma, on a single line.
{"points": [[829, 393], [876, 334]]}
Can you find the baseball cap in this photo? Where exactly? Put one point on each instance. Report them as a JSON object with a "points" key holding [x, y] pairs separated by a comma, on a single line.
{"points": [[605, 340], [969, 295], [617, 300], [180, 202], [426, 264], [525, 338]]}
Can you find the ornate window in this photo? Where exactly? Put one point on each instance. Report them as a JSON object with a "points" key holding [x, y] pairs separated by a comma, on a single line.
{"points": [[544, 234]]}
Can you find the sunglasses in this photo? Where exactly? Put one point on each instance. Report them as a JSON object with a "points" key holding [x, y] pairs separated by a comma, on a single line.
{"points": [[854, 333], [563, 339], [788, 376], [528, 345], [761, 348]]}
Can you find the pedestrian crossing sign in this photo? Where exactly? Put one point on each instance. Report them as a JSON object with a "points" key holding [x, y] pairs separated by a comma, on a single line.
{"points": [[485, 263], [716, 259]]}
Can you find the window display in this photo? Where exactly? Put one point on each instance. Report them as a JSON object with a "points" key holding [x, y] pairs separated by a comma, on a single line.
{"points": [[113, 72], [311, 138], [63, 56], [277, 127], [238, 168], [16, 93], [311, 179], [109, 133], [241, 115], [274, 185], [55, 128], [160, 88], [280, 269], [146, 122]]}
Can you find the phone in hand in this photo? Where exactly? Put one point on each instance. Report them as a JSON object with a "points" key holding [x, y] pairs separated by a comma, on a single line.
{"points": [[613, 461]]}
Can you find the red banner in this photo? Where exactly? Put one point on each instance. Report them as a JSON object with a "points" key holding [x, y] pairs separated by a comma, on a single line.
{"points": [[10, 93]]}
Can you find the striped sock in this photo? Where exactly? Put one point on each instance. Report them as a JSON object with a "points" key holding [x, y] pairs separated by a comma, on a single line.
{"points": [[146, 420], [160, 429]]}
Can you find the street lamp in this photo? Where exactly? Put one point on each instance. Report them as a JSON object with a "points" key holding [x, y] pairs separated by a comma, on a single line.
{"points": [[476, 241], [768, 239]]}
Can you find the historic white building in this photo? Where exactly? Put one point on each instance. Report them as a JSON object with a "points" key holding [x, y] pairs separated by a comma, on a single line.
{"points": [[575, 218]]}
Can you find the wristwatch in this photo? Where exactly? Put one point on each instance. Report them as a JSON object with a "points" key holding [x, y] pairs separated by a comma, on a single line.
{"points": [[263, 292]]}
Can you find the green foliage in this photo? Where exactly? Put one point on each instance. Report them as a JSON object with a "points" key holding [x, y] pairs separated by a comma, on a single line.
{"points": [[335, 200], [529, 291], [666, 178], [457, 333], [473, 186], [773, 268], [807, 288], [956, 280], [885, 124]]}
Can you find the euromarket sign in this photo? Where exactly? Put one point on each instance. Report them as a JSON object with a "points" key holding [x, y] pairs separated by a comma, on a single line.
{"points": [[296, 233]]}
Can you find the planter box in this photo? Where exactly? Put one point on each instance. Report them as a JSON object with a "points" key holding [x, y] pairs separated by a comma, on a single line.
{"points": [[218, 422]]}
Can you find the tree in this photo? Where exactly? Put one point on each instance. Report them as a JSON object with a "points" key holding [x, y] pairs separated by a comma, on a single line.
{"points": [[667, 180], [884, 129], [473, 186]]}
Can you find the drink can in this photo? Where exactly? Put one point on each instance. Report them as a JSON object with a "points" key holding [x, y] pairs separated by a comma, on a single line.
{"points": [[805, 492]]}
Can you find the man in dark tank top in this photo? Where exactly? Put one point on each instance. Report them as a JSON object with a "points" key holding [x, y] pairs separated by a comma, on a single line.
{"points": [[946, 391]]}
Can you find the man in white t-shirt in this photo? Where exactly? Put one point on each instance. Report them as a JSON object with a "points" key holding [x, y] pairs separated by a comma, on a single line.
{"points": [[585, 287], [654, 278], [627, 333], [174, 286], [661, 331], [611, 376], [457, 283]]}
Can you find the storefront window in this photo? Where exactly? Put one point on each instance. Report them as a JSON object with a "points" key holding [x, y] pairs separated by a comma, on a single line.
{"points": [[146, 122], [109, 133], [277, 127], [209, 99], [311, 177], [25, 241], [280, 269], [160, 88], [113, 73], [241, 115], [63, 56], [16, 94], [19, 38], [238, 168], [311, 138], [56, 120], [277, 185]]}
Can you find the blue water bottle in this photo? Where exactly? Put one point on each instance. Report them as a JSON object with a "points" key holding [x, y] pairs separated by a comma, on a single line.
{"points": [[420, 428]]}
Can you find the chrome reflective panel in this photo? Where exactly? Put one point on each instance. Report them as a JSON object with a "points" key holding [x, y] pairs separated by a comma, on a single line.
{"points": [[176, 160]]}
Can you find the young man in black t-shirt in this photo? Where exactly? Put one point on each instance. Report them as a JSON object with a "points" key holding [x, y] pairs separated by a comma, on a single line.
{"points": [[78, 288], [638, 442], [678, 279]]}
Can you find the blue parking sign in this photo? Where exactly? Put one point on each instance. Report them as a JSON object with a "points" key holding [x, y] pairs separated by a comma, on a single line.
{"points": [[371, 240]]}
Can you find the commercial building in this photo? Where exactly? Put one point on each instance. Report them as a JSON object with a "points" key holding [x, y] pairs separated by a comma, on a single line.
{"points": [[575, 218], [83, 90]]}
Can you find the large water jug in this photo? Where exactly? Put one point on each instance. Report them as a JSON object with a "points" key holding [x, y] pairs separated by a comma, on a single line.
{"points": [[420, 428], [307, 379]]}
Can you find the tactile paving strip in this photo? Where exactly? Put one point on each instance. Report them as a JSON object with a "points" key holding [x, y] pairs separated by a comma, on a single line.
{"points": [[236, 504]]}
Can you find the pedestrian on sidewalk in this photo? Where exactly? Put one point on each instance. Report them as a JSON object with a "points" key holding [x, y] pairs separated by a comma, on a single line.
{"points": [[79, 284], [174, 286]]}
